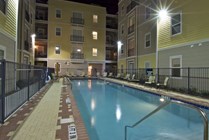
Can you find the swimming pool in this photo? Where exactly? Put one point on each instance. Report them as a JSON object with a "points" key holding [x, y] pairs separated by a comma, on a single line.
{"points": [[107, 108]]}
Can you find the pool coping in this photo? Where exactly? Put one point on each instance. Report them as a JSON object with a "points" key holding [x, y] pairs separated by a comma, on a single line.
{"points": [[200, 102]]}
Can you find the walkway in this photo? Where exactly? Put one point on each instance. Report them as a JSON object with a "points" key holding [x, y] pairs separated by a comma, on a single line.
{"points": [[42, 123], [49, 120]]}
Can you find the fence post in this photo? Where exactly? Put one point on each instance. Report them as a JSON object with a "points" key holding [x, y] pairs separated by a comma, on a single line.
{"points": [[29, 66], [188, 78], [3, 69]]}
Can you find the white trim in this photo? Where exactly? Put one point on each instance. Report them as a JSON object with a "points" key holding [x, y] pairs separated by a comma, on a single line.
{"points": [[4, 49], [150, 54], [170, 65], [145, 35], [56, 13], [184, 44], [56, 31], [179, 13]]}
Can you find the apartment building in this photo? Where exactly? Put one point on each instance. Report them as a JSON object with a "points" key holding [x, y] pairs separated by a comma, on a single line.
{"points": [[183, 39], [137, 33], [26, 32], [8, 29], [72, 34], [111, 43]]}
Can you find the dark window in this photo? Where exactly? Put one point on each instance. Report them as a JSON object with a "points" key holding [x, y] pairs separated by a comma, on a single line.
{"points": [[176, 24], [3, 6]]}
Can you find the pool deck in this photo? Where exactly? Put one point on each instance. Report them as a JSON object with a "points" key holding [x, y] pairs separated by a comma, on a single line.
{"points": [[46, 115], [186, 98]]}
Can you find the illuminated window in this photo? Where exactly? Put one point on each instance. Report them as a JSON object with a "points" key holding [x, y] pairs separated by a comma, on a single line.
{"points": [[58, 31], [147, 40], [57, 50], [95, 37], [95, 19], [94, 51], [176, 24], [58, 13]]}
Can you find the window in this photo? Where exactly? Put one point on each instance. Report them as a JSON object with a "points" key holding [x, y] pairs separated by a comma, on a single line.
{"points": [[94, 52], [77, 32], [131, 21], [57, 50], [77, 15], [58, 31], [176, 24], [131, 50], [94, 34], [95, 19], [147, 11], [122, 49], [122, 10], [176, 64], [1, 54], [122, 29], [58, 13], [3, 6], [147, 40]]}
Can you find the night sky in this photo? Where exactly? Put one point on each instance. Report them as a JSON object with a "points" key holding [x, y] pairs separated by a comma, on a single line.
{"points": [[112, 5]]}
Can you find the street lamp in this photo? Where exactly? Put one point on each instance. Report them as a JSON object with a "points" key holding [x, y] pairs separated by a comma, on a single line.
{"points": [[33, 36]]}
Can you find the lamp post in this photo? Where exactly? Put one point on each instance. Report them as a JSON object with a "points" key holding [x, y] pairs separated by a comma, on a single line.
{"points": [[33, 36]]}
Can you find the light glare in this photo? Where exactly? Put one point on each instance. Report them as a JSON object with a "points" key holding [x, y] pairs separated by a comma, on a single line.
{"points": [[163, 13]]}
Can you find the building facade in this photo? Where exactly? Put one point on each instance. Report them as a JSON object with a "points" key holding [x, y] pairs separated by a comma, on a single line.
{"points": [[72, 34], [8, 29], [26, 31], [137, 33], [111, 43]]}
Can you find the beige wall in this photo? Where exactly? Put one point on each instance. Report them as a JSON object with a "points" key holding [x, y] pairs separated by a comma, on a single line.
{"points": [[64, 23]]}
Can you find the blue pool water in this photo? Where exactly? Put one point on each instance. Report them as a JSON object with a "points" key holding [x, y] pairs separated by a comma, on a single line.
{"points": [[107, 108]]}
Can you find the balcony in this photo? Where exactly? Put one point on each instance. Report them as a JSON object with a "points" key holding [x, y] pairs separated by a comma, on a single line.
{"points": [[131, 6], [41, 36], [27, 16], [111, 23], [41, 51], [42, 1], [130, 29], [41, 13], [131, 52], [77, 57], [78, 21], [26, 46], [76, 38]]}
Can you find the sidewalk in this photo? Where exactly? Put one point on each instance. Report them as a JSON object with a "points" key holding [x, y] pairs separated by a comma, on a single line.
{"points": [[42, 123]]}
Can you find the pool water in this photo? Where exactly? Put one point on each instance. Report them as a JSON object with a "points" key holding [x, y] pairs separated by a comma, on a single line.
{"points": [[107, 108]]}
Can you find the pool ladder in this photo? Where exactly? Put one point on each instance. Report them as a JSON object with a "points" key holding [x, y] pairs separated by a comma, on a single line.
{"points": [[202, 113]]}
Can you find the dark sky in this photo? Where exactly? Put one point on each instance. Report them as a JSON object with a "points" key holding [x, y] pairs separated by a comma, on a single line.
{"points": [[112, 5]]}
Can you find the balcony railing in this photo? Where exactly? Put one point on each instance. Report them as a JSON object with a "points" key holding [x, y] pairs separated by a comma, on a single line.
{"points": [[77, 38], [40, 54], [130, 29], [42, 1], [41, 36], [131, 6], [131, 52], [79, 21], [76, 55]]}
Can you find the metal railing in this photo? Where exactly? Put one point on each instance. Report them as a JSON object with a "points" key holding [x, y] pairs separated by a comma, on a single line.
{"points": [[199, 110], [192, 81], [18, 83]]}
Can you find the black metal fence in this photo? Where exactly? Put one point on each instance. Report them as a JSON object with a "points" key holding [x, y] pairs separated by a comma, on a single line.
{"points": [[18, 83], [193, 81]]}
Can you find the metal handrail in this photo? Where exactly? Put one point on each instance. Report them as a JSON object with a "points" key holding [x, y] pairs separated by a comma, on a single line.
{"points": [[202, 113]]}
